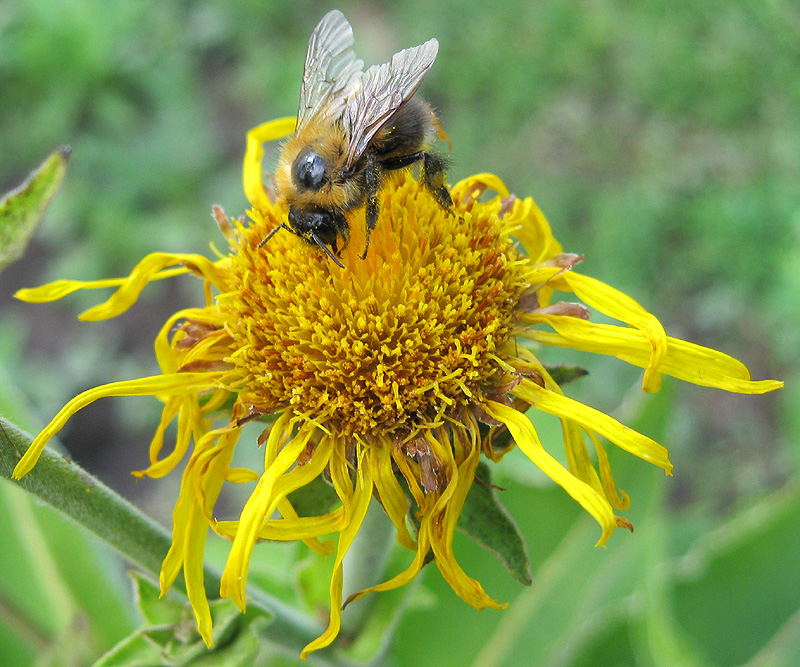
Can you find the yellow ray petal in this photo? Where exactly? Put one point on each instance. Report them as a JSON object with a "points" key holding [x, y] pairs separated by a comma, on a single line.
{"points": [[594, 420], [618, 499], [528, 441], [361, 498], [685, 361], [144, 272], [170, 359], [484, 181], [179, 383], [442, 531], [212, 472], [390, 493], [58, 289], [404, 577], [534, 231], [578, 460], [254, 153], [157, 468], [202, 481], [274, 485], [612, 302]]}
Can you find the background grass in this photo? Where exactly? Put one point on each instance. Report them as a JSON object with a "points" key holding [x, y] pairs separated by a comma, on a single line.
{"points": [[661, 139]]}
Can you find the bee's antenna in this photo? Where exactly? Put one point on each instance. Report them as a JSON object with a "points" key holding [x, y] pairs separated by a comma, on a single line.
{"points": [[319, 242], [271, 234]]}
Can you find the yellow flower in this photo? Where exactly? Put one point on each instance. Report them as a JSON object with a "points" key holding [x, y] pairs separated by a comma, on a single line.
{"points": [[378, 375]]}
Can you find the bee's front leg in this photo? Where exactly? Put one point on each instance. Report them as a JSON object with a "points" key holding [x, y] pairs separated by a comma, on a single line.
{"points": [[372, 182], [433, 166]]}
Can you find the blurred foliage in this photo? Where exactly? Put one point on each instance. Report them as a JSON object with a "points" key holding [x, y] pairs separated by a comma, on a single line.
{"points": [[661, 139], [22, 209]]}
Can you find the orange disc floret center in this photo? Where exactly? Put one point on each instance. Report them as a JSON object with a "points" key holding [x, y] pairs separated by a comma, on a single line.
{"points": [[393, 341]]}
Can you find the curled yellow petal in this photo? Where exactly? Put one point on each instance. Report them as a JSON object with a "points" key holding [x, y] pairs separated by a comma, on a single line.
{"points": [[534, 231], [442, 530], [157, 468], [179, 383], [200, 487], [710, 368], [361, 497], [149, 269], [612, 302], [390, 492], [594, 420], [273, 486], [404, 577], [528, 441], [254, 153], [685, 361], [58, 289], [479, 183], [619, 499]]}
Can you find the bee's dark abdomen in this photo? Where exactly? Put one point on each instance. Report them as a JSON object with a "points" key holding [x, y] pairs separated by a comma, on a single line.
{"points": [[405, 133]]}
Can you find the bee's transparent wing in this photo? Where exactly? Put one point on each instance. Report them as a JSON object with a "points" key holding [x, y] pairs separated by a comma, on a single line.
{"points": [[384, 88], [332, 71]]}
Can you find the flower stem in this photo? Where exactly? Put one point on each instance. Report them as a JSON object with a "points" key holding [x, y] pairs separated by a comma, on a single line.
{"points": [[365, 564]]}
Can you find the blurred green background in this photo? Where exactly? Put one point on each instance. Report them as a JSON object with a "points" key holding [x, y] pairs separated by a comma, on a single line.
{"points": [[662, 140]]}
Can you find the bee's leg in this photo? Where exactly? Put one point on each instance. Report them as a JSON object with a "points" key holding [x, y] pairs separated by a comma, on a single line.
{"points": [[433, 167], [373, 184], [402, 161], [432, 174], [341, 228]]}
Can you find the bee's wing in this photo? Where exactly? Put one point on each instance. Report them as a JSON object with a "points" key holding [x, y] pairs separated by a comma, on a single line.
{"points": [[383, 90], [332, 72]]}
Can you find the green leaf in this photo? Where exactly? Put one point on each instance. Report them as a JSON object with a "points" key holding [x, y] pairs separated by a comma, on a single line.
{"points": [[314, 499], [155, 609], [236, 640], [58, 592], [23, 208], [75, 493], [135, 650], [487, 522]]}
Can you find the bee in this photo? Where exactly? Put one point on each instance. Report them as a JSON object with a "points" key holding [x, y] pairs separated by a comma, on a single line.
{"points": [[353, 127]]}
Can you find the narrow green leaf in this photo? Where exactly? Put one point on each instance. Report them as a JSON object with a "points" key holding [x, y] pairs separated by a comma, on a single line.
{"points": [[23, 208], [238, 643], [133, 651], [236, 639], [57, 581], [487, 522], [574, 589], [155, 609]]}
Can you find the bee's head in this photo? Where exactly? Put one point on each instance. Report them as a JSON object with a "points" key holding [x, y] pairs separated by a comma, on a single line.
{"points": [[310, 170], [320, 227]]}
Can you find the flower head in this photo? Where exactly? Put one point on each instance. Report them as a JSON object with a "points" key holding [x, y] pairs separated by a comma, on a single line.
{"points": [[379, 375]]}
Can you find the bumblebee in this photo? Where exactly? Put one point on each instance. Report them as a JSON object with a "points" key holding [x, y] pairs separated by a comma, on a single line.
{"points": [[354, 126]]}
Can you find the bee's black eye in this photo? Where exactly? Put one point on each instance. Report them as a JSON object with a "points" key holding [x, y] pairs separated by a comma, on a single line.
{"points": [[309, 171]]}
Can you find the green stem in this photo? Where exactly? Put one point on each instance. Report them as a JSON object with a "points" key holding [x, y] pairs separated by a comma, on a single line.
{"points": [[365, 565], [75, 493]]}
